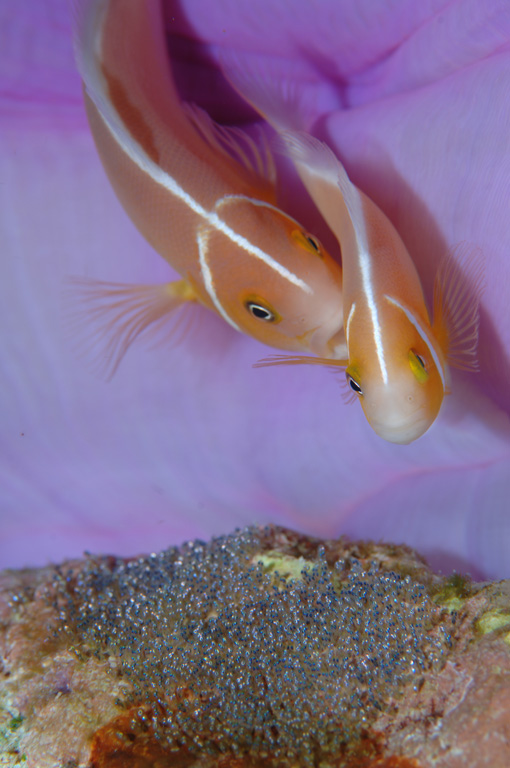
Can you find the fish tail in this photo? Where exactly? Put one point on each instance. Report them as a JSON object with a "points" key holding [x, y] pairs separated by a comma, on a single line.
{"points": [[115, 314], [457, 305], [287, 98]]}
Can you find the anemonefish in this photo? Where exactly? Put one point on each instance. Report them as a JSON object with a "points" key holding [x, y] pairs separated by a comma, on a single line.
{"points": [[202, 195], [397, 358]]}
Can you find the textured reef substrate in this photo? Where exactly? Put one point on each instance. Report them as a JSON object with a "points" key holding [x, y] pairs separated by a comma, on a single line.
{"points": [[262, 648]]}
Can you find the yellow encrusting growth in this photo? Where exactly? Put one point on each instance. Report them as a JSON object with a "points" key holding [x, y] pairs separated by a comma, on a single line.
{"points": [[288, 568], [493, 621]]}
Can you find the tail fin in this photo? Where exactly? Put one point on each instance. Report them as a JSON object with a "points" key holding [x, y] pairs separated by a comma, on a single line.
{"points": [[284, 102]]}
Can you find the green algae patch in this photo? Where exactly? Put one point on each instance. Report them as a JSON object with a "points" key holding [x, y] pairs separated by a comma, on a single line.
{"points": [[492, 621], [10, 738], [287, 567], [15, 722], [453, 592]]}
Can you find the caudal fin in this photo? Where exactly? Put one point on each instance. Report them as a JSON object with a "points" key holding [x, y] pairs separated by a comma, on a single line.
{"points": [[457, 294], [104, 319], [276, 95]]}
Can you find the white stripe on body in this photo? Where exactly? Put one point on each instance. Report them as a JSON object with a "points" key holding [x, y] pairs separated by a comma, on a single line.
{"points": [[97, 90], [167, 182], [355, 209], [423, 334], [208, 278], [348, 324], [254, 201], [317, 159]]}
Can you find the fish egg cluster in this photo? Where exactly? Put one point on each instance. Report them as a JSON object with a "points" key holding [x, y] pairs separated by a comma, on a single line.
{"points": [[236, 659]]}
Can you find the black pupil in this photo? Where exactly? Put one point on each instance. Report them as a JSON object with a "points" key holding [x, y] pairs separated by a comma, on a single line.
{"points": [[313, 243], [260, 312], [420, 360], [354, 386]]}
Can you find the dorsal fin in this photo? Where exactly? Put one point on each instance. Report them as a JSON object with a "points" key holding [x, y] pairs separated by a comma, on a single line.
{"points": [[456, 305], [254, 155]]}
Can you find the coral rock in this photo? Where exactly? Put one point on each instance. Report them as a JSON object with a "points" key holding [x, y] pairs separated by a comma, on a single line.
{"points": [[263, 648]]}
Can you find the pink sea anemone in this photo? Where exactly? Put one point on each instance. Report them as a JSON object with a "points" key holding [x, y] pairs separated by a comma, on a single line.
{"points": [[191, 441]]}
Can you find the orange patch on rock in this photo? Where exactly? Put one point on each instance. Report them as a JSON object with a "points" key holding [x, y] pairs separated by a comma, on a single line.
{"points": [[127, 742]]}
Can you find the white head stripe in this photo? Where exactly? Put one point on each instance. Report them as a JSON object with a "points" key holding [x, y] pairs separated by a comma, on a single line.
{"points": [[208, 279], [423, 334], [254, 250], [254, 201]]}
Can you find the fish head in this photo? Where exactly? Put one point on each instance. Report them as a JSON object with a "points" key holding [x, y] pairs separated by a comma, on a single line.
{"points": [[401, 389], [274, 280]]}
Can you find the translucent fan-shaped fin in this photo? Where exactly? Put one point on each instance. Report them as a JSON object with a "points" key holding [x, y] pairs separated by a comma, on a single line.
{"points": [[299, 360], [104, 319], [254, 154], [458, 288]]}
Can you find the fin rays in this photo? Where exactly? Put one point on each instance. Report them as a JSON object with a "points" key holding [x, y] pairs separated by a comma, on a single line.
{"points": [[115, 314], [456, 306], [254, 155], [267, 362], [348, 396]]}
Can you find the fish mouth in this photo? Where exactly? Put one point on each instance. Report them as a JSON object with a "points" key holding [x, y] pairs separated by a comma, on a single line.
{"points": [[403, 433]]}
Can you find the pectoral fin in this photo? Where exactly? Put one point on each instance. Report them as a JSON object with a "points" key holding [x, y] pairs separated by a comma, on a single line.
{"points": [[266, 362], [110, 316], [457, 293]]}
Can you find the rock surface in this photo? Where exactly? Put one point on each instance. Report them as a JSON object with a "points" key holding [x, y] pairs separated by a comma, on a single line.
{"points": [[265, 648]]}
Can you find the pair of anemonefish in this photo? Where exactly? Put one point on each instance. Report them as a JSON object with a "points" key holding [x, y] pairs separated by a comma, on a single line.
{"points": [[204, 197]]}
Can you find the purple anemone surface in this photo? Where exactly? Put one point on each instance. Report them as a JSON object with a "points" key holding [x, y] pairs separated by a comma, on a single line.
{"points": [[189, 440]]}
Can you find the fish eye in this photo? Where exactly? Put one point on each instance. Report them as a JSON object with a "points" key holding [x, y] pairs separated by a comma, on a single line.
{"points": [[313, 242], [260, 312], [353, 384], [307, 241], [418, 366]]}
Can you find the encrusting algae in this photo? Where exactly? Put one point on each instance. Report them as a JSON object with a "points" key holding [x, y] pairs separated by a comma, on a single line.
{"points": [[234, 651]]}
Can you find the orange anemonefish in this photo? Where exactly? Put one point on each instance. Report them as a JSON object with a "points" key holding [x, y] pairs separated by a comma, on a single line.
{"points": [[201, 194]]}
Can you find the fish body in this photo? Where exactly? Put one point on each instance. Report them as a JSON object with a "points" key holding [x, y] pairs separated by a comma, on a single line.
{"points": [[396, 365], [202, 195], [397, 358]]}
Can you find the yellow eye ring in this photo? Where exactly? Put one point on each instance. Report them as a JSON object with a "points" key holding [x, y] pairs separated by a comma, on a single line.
{"points": [[261, 309], [418, 366], [353, 384], [308, 242]]}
